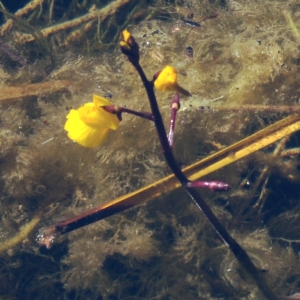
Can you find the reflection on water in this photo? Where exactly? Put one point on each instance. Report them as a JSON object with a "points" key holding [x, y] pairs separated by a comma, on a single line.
{"points": [[242, 68]]}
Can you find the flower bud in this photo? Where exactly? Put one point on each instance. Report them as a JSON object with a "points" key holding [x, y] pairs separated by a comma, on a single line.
{"points": [[129, 46]]}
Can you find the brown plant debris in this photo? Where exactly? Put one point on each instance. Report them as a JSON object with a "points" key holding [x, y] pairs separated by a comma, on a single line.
{"points": [[33, 89]]}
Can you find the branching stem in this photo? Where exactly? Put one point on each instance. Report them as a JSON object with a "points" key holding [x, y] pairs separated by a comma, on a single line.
{"points": [[241, 255]]}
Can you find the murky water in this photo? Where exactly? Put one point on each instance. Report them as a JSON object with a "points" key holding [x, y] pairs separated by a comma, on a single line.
{"points": [[241, 67]]}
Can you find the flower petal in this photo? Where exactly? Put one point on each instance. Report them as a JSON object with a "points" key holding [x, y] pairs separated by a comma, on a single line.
{"points": [[166, 79], [100, 101], [89, 114], [82, 133], [110, 120], [126, 35]]}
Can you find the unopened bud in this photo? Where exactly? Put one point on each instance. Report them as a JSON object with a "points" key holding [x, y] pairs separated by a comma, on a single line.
{"points": [[129, 46]]}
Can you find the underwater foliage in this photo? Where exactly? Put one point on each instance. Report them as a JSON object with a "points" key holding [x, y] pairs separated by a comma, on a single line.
{"points": [[247, 56]]}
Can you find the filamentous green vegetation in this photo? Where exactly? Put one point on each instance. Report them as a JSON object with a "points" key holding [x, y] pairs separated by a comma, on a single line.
{"points": [[246, 56]]}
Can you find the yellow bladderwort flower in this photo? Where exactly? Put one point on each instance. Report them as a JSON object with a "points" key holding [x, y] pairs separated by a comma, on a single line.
{"points": [[89, 124], [166, 80]]}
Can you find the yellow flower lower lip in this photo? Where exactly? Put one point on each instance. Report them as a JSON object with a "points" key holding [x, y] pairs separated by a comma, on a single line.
{"points": [[89, 125]]}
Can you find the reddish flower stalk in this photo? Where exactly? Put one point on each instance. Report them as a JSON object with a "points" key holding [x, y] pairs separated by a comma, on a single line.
{"points": [[212, 185], [119, 110], [175, 105]]}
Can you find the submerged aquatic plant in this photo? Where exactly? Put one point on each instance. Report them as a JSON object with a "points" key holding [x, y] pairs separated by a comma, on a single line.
{"points": [[114, 169], [98, 117]]}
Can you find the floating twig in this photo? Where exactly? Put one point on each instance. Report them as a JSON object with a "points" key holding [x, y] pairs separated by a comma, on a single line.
{"points": [[33, 89], [290, 152], [20, 13], [47, 141], [94, 15], [22, 234], [241, 108]]}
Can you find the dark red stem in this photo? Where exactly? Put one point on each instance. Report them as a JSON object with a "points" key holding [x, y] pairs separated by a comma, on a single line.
{"points": [[175, 105], [118, 110], [212, 185], [141, 114]]}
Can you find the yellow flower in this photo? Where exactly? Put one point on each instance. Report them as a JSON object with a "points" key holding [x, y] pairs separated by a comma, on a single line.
{"points": [[167, 81], [90, 123]]}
